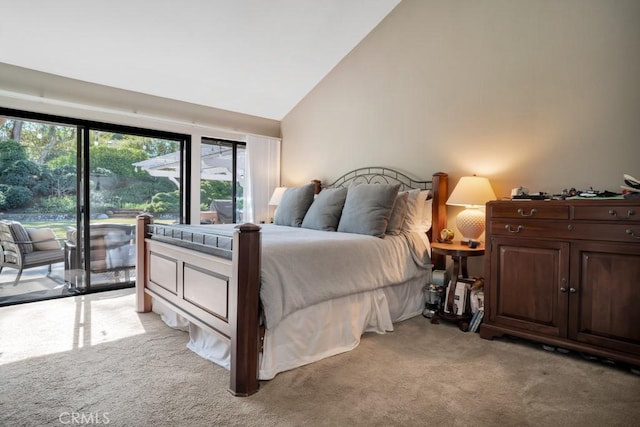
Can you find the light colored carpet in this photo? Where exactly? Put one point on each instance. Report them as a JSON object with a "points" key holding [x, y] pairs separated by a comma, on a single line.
{"points": [[93, 358]]}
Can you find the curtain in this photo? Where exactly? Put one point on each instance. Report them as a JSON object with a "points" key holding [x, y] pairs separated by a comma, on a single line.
{"points": [[262, 177]]}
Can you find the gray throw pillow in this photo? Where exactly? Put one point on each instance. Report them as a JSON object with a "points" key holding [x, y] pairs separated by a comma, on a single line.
{"points": [[325, 211], [294, 205], [367, 209], [399, 211]]}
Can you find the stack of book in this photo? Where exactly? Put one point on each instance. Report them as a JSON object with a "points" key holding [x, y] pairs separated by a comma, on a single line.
{"points": [[476, 299], [476, 320]]}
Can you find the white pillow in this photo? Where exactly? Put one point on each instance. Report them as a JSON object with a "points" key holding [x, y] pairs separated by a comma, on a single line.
{"points": [[414, 219], [427, 214]]}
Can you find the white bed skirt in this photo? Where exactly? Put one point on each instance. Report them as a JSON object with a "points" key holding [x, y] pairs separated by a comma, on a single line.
{"points": [[316, 332]]}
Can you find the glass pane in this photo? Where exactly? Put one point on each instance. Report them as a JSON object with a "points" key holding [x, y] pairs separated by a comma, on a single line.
{"points": [[221, 185], [38, 194], [129, 175]]}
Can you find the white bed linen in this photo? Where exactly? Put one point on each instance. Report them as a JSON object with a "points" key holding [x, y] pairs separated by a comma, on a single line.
{"points": [[315, 332], [302, 267]]}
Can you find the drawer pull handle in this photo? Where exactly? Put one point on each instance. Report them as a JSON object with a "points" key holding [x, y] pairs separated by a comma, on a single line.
{"points": [[573, 290], [531, 213], [511, 230], [563, 289], [630, 213], [631, 233]]}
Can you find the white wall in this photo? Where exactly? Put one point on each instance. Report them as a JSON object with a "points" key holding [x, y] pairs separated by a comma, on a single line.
{"points": [[539, 93], [544, 94]]}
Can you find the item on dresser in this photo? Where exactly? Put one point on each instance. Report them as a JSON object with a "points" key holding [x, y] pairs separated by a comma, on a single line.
{"points": [[631, 189], [565, 273]]}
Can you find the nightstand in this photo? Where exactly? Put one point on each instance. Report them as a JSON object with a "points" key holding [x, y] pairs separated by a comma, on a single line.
{"points": [[459, 253]]}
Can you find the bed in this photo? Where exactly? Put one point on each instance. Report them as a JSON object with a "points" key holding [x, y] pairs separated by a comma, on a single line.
{"points": [[263, 299]]}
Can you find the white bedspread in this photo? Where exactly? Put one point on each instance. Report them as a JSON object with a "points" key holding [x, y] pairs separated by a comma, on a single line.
{"points": [[302, 267]]}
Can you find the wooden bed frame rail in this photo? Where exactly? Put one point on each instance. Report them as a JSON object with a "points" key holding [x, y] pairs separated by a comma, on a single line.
{"points": [[222, 295]]}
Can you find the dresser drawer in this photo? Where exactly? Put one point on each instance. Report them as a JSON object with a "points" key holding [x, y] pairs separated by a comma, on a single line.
{"points": [[532, 210], [607, 213], [629, 233], [530, 228], [568, 230]]}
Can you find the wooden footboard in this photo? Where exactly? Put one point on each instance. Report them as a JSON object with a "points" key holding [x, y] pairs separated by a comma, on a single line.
{"points": [[219, 294]]}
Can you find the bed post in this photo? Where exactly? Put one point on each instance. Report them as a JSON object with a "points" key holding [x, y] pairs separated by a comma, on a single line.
{"points": [[317, 186], [143, 300], [244, 310], [440, 193]]}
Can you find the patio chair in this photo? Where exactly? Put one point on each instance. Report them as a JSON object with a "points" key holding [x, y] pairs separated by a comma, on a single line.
{"points": [[224, 210], [112, 248], [22, 247]]}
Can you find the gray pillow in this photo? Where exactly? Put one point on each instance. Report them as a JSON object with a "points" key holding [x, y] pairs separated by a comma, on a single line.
{"points": [[367, 209], [399, 211], [294, 205], [324, 213]]}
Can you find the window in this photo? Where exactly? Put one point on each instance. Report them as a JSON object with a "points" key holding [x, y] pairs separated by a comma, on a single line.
{"points": [[222, 181]]}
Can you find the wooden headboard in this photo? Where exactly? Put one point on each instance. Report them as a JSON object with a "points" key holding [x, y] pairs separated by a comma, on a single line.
{"points": [[381, 175]]}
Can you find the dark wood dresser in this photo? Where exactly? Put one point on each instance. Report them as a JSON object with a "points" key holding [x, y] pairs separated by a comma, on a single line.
{"points": [[566, 274]]}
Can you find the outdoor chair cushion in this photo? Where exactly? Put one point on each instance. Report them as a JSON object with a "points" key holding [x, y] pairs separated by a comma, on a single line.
{"points": [[43, 239]]}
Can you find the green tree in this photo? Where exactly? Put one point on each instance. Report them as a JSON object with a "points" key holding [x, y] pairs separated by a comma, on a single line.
{"points": [[10, 152], [19, 176], [211, 190]]}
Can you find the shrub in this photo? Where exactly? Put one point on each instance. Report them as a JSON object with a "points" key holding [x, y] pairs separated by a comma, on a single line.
{"points": [[17, 196], [165, 203], [62, 205]]}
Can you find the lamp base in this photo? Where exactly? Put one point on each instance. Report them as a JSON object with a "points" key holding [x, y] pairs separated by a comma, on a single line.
{"points": [[470, 222]]}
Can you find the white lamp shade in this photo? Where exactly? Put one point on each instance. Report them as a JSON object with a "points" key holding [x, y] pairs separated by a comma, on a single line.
{"points": [[276, 197], [472, 192]]}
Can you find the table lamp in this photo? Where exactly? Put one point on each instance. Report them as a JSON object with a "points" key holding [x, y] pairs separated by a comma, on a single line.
{"points": [[472, 192], [276, 198]]}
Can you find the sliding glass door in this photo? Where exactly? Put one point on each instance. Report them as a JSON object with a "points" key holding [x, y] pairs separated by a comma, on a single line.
{"points": [[85, 182], [127, 175]]}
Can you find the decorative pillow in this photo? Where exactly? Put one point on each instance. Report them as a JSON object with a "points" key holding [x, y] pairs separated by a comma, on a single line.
{"points": [[415, 206], [294, 205], [21, 235], [43, 239], [427, 214], [367, 209], [398, 213], [325, 211]]}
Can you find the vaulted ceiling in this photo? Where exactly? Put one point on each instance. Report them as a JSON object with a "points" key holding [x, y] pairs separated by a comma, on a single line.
{"points": [[258, 57]]}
